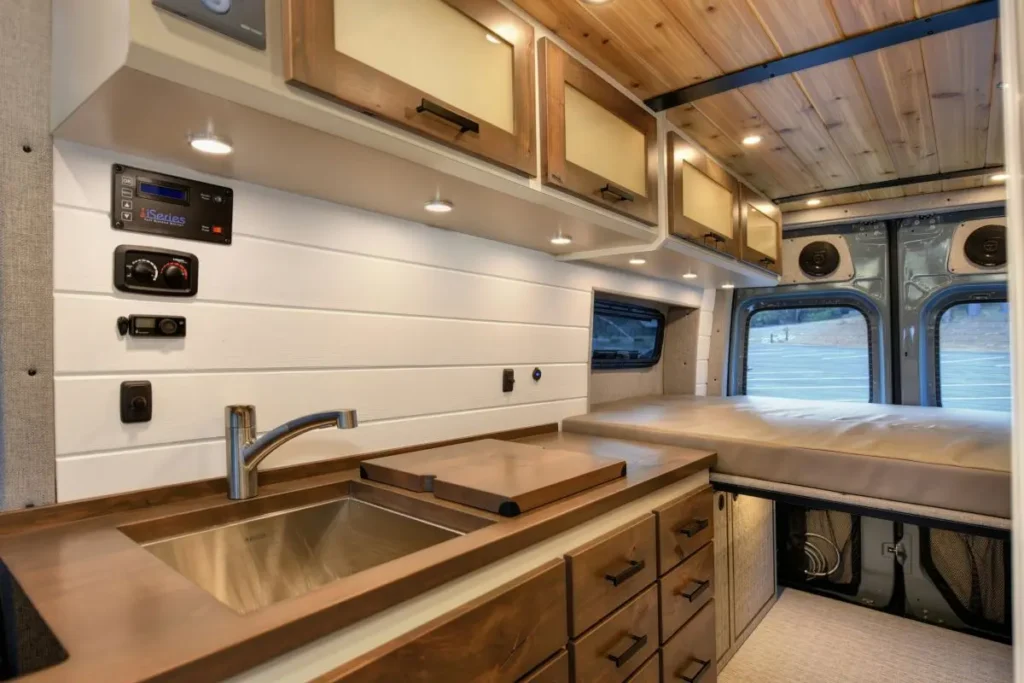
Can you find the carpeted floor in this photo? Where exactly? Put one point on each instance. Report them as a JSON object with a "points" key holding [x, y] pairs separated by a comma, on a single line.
{"points": [[810, 639]]}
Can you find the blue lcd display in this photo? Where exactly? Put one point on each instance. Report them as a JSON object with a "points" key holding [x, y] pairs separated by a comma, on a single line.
{"points": [[172, 193]]}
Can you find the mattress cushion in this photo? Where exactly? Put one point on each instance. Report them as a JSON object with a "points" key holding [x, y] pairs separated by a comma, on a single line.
{"points": [[941, 457]]}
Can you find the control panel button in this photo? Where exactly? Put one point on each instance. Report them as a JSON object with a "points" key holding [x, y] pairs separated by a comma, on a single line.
{"points": [[144, 271], [126, 216], [175, 275], [126, 204], [161, 272]]}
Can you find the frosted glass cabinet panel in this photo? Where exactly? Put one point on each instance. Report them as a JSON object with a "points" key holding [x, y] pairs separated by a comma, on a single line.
{"points": [[703, 199], [458, 71], [761, 221], [597, 143], [761, 233]]}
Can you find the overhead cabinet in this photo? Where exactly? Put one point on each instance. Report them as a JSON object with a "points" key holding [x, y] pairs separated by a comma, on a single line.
{"points": [[457, 71], [762, 232], [703, 199], [596, 142]]}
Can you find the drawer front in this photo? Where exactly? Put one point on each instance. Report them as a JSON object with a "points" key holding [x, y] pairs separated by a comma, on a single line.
{"points": [[458, 71], [684, 527], [689, 656], [555, 670], [686, 589], [609, 571], [618, 646], [501, 637], [650, 672]]}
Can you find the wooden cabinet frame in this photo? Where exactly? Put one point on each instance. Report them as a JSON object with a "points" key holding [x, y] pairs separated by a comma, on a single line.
{"points": [[749, 254], [681, 152], [557, 69], [312, 63]]}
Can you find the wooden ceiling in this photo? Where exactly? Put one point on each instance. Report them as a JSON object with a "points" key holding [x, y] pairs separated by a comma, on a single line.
{"points": [[922, 107]]}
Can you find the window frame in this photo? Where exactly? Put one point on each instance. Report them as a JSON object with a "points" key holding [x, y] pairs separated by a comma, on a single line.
{"points": [[931, 317], [742, 314], [628, 310]]}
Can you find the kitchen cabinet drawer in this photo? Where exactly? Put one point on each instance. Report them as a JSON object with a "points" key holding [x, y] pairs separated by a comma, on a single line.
{"points": [[555, 670], [596, 143], [500, 637], [762, 232], [703, 204], [650, 672], [684, 526], [686, 589], [619, 645], [689, 656], [609, 571], [458, 71]]}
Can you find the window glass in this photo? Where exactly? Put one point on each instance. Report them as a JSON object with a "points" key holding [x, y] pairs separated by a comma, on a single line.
{"points": [[818, 353], [974, 356], [626, 336]]}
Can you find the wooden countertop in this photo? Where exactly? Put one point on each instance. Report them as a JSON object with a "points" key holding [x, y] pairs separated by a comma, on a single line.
{"points": [[123, 615]]}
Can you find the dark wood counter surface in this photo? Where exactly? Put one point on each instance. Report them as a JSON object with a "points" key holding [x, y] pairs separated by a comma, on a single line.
{"points": [[123, 615]]}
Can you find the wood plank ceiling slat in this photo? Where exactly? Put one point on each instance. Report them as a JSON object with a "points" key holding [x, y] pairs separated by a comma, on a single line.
{"points": [[994, 149]]}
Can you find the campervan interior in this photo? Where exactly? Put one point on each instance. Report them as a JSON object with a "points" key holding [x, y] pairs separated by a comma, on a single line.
{"points": [[591, 341]]}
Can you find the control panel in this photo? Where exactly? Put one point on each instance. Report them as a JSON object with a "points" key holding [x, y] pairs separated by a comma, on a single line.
{"points": [[162, 272], [151, 202], [151, 326]]}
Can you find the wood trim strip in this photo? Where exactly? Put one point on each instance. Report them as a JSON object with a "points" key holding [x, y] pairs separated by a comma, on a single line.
{"points": [[18, 521]]}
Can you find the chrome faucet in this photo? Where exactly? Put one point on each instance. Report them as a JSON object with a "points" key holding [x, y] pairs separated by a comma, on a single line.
{"points": [[246, 452]]}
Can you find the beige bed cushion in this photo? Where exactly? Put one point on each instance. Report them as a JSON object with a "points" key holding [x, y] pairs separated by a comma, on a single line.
{"points": [[941, 457]]}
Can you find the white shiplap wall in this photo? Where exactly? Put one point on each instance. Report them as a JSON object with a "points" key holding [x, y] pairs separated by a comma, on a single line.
{"points": [[314, 306]]}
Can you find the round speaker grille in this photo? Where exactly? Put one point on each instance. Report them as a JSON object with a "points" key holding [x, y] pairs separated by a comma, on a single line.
{"points": [[986, 246], [819, 259]]}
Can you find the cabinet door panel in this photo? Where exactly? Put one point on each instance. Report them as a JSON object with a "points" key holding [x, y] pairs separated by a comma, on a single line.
{"points": [[604, 144], [753, 558], [761, 224], [703, 199], [708, 203]]}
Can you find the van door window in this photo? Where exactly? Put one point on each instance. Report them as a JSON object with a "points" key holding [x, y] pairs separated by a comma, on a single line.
{"points": [[974, 356]]}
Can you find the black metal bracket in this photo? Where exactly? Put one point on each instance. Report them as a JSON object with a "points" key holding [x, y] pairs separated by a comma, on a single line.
{"points": [[950, 20], [465, 125], [895, 182], [616, 194]]}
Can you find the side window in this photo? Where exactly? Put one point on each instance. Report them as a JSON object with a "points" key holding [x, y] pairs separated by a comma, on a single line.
{"points": [[626, 336], [820, 353], [973, 347]]}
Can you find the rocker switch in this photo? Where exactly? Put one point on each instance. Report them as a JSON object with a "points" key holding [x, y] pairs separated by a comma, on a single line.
{"points": [[508, 380]]}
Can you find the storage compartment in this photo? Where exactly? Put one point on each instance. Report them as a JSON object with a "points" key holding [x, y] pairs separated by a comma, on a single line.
{"points": [[686, 589], [620, 644], [684, 527], [457, 71], [689, 655], [596, 143], [761, 224], [702, 199]]}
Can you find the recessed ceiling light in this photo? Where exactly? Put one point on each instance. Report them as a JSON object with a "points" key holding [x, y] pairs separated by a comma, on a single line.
{"points": [[491, 38], [561, 240], [439, 206], [637, 261], [728, 285], [210, 144], [813, 202], [1002, 85], [752, 140], [686, 153], [998, 177], [689, 275]]}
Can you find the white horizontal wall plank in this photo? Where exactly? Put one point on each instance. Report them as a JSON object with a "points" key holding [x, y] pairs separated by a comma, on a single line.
{"points": [[111, 472], [262, 272], [189, 407], [223, 337]]}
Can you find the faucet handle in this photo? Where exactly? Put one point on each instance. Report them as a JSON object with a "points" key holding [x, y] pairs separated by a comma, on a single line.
{"points": [[240, 417]]}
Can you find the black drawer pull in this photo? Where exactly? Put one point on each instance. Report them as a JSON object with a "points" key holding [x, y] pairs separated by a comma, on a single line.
{"points": [[767, 261], [692, 528], [714, 237], [695, 589], [617, 194], [704, 666], [464, 124], [633, 569], [638, 644]]}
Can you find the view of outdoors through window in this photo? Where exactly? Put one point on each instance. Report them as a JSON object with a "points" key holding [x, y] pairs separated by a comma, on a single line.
{"points": [[625, 337], [974, 356], [814, 353]]}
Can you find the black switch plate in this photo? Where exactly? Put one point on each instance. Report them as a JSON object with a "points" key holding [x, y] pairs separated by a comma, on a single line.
{"points": [[508, 380], [136, 401]]}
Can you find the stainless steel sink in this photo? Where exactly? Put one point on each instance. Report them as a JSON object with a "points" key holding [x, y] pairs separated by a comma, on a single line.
{"points": [[262, 560]]}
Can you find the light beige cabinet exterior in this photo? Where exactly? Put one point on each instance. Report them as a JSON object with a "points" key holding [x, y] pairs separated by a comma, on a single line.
{"points": [[761, 223], [703, 204]]}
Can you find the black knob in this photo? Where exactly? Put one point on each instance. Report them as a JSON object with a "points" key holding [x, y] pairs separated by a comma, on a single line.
{"points": [[175, 276], [144, 271], [139, 404], [168, 326]]}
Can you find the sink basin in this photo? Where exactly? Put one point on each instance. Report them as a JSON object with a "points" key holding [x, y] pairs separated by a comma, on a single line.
{"points": [[259, 560]]}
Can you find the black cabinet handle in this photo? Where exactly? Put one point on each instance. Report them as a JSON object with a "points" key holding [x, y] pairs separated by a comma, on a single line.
{"points": [[617, 194], [714, 237], [694, 527], [633, 569], [704, 666], [638, 644], [464, 124], [695, 589], [767, 261]]}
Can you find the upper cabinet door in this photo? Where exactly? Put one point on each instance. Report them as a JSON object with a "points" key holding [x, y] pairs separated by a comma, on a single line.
{"points": [[703, 204], [762, 232], [457, 71], [596, 142]]}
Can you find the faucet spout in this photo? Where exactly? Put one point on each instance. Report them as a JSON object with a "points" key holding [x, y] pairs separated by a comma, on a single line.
{"points": [[245, 452]]}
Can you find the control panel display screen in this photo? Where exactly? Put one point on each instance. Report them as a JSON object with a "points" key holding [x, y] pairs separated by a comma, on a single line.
{"points": [[163, 191], [145, 323]]}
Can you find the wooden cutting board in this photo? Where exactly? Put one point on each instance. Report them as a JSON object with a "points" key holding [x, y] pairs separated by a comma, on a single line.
{"points": [[498, 476]]}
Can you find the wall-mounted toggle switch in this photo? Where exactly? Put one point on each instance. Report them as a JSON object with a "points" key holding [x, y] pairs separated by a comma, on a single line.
{"points": [[508, 380], [136, 401]]}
